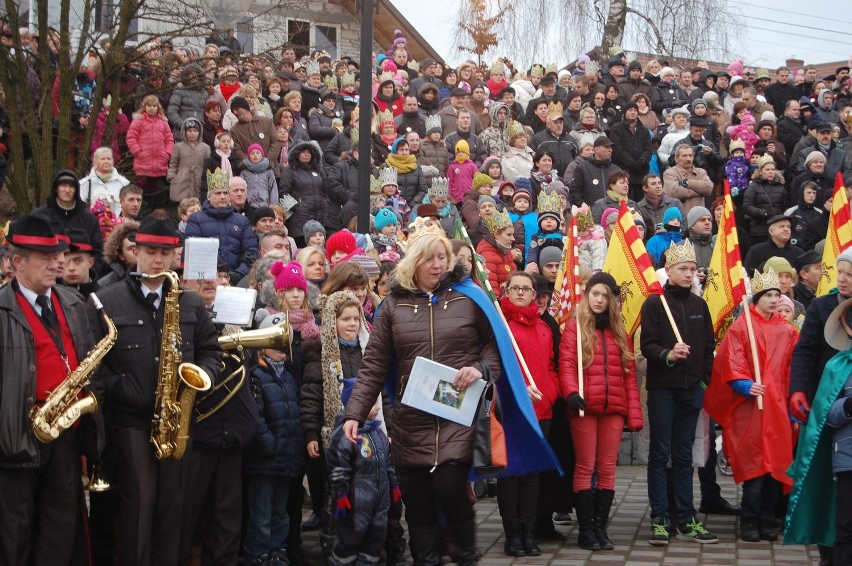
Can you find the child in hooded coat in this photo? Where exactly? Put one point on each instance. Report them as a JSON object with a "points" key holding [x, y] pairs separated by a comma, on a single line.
{"points": [[258, 175], [187, 162], [460, 172]]}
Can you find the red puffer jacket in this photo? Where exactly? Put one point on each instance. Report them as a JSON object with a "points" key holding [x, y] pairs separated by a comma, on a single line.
{"points": [[607, 389], [535, 340], [498, 264]]}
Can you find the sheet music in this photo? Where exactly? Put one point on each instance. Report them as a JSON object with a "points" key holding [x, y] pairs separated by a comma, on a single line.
{"points": [[200, 257], [234, 305]]}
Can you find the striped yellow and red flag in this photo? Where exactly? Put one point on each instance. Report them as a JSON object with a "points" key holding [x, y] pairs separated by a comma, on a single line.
{"points": [[838, 238], [628, 262], [566, 288], [724, 287]]}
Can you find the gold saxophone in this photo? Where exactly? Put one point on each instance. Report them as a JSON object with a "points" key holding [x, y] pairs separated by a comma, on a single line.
{"points": [[63, 407], [177, 381]]}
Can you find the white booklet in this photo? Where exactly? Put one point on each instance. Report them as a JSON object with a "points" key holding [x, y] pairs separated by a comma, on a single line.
{"points": [[234, 305], [430, 388]]}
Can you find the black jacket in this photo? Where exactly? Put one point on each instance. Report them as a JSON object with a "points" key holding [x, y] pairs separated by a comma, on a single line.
{"points": [[759, 253], [129, 372], [692, 317], [18, 445], [812, 352], [341, 186], [789, 133], [631, 150], [590, 180], [563, 148]]}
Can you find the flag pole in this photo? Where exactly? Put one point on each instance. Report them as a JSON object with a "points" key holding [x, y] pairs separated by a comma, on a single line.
{"points": [[575, 266], [503, 317], [671, 318], [755, 360]]}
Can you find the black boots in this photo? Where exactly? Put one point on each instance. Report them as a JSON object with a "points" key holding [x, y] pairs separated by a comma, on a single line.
{"points": [[425, 545], [464, 536], [603, 503], [528, 540], [513, 546], [584, 502], [749, 530]]}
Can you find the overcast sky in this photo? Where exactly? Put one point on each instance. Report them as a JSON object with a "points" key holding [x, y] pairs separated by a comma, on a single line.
{"points": [[768, 42]]}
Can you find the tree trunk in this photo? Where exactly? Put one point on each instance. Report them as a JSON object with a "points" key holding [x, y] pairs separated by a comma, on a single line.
{"points": [[613, 32]]}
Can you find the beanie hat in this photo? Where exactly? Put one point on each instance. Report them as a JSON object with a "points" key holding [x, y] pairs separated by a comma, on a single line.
{"points": [[634, 65], [786, 301], [549, 254], [694, 214], [480, 180], [288, 276], [606, 279], [485, 198], [519, 194], [549, 214], [670, 214], [239, 102], [747, 119], [523, 184], [698, 102], [780, 265], [342, 241], [605, 217], [395, 145], [846, 256], [385, 217], [311, 228], [262, 212], [462, 147], [815, 155], [489, 161], [368, 263], [255, 146]]}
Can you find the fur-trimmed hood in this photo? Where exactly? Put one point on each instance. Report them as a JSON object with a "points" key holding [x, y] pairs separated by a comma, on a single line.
{"points": [[316, 154]]}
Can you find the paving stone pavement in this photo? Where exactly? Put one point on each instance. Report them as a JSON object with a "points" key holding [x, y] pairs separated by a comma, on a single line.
{"points": [[629, 528]]}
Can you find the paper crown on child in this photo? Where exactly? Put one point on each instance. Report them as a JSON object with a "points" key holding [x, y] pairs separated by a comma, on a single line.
{"points": [[537, 71], [432, 123], [217, 180], [585, 221], [414, 66], [347, 79], [375, 187], [388, 176], [735, 145], [440, 187], [679, 253], [497, 221], [550, 68], [592, 68], [498, 67], [384, 117], [514, 128], [615, 50], [554, 111], [549, 202], [761, 283], [386, 76], [329, 81], [764, 160], [312, 68]]}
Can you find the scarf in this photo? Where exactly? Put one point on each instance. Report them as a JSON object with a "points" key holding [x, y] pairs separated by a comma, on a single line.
{"points": [[278, 368], [383, 240], [106, 178], [601, 320], [615, 196], [225, 164], [229, 90], [502, 247], [256, 167], [302, 321], [462, 157], [527, 315], [402, 163], [388, 139]]}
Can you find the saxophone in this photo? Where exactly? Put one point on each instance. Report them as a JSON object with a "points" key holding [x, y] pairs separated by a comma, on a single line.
{"points": [[63, 407], [177, 381]]}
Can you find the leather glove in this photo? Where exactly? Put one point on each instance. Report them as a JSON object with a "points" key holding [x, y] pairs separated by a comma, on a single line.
{"points": [[799, 406], [847, 407], [574, 401], [342, 505], [396, 493]]}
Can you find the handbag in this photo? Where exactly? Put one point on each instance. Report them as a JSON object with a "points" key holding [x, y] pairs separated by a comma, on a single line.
{"points": [[489, 446]]}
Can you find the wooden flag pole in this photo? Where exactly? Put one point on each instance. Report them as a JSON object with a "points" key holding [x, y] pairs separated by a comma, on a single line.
{"points": [[580, 365], [671, 318], [755, 360]]}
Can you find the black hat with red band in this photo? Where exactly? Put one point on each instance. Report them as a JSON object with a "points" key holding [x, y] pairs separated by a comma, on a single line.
{"points": [[79, 241], [157, 233], [35, 233]]}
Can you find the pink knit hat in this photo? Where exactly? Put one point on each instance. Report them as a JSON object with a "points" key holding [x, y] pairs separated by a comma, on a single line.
{"points": [[288, 276], [605, 217], [736, 68], [747, 119], [255, 146]]}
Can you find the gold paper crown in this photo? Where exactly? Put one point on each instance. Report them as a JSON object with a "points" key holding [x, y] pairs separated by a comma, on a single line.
{"points": [[347, 79], [385, 116], [765, 282], [217, 180], [414, 66], [375, 187], [432, 122], [434, 229], [762, 74], [388, 176], [320, 54], [440, 187], [736, 144], [679, 253], [592, 68], [764, 159], [312, 68], [554, 110], [537, 71], [549, 202], [514, 128], [498, 221], [386, 76], [550, 68], [329, 81], [498, 67], [615, 50]]}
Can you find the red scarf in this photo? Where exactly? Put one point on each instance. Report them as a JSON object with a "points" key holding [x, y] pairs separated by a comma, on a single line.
{"points": [[229, 90]]}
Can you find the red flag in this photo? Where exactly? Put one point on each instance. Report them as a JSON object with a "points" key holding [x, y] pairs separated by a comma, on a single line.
{"points": [[566, 288]]}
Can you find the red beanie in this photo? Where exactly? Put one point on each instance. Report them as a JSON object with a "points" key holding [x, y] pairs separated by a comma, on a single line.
{"points": [[342, 241], [288, 276]]}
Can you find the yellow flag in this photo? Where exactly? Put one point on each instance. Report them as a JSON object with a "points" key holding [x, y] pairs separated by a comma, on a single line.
{"points": [[838, 238], [724, 287]]}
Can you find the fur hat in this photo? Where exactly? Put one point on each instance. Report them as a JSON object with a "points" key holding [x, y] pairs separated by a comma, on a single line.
{"points": [[288, 276]]}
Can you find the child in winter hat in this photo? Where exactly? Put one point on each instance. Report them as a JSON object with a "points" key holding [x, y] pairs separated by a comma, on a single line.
{"points": [[591, 240], [339, 245], [314, 234], [461, 172], [262, 187]]}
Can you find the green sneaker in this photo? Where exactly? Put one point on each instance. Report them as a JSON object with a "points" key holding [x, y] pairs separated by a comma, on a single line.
{"points": [[695, 531], [659, 532]]}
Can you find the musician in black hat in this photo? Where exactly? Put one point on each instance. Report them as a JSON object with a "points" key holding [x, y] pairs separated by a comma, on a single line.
{"points": [[151, 490], [45, 336], [79, 262]]}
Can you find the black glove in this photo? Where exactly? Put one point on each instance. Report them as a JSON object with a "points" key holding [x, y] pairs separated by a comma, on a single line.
{"points": [[847, 407], [574, 401]]}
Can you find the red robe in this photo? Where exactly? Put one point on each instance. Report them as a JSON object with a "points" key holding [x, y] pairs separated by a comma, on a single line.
{"points": [[757, 442]]}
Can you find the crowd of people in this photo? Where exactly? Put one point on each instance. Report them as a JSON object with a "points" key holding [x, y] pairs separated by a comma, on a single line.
{"points": [[474, 169]]}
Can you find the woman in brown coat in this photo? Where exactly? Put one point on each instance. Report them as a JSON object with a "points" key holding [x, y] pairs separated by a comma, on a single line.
{"points": [[424, 316]]}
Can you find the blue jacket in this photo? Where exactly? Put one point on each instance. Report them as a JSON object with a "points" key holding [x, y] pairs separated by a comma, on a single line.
{"points": [[237, 242], [279, 445], [841, 455], [659, 243]]}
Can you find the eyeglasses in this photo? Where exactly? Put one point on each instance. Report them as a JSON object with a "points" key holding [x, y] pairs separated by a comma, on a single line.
{"points": [[516, 289]]}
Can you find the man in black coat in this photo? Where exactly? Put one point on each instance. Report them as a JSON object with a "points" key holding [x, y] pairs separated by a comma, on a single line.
{"points": [[556, 140], [64, 208], [778, 245], [45, 336], [341, 187], [151, 490], [632, 148]]}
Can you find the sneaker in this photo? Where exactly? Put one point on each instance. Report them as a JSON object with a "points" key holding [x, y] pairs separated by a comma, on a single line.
{"points": [[659, 532], [695, 531], [562, 519]]}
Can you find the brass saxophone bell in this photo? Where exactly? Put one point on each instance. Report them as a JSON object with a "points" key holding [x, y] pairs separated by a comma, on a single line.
{"points": [[97, 482]]}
